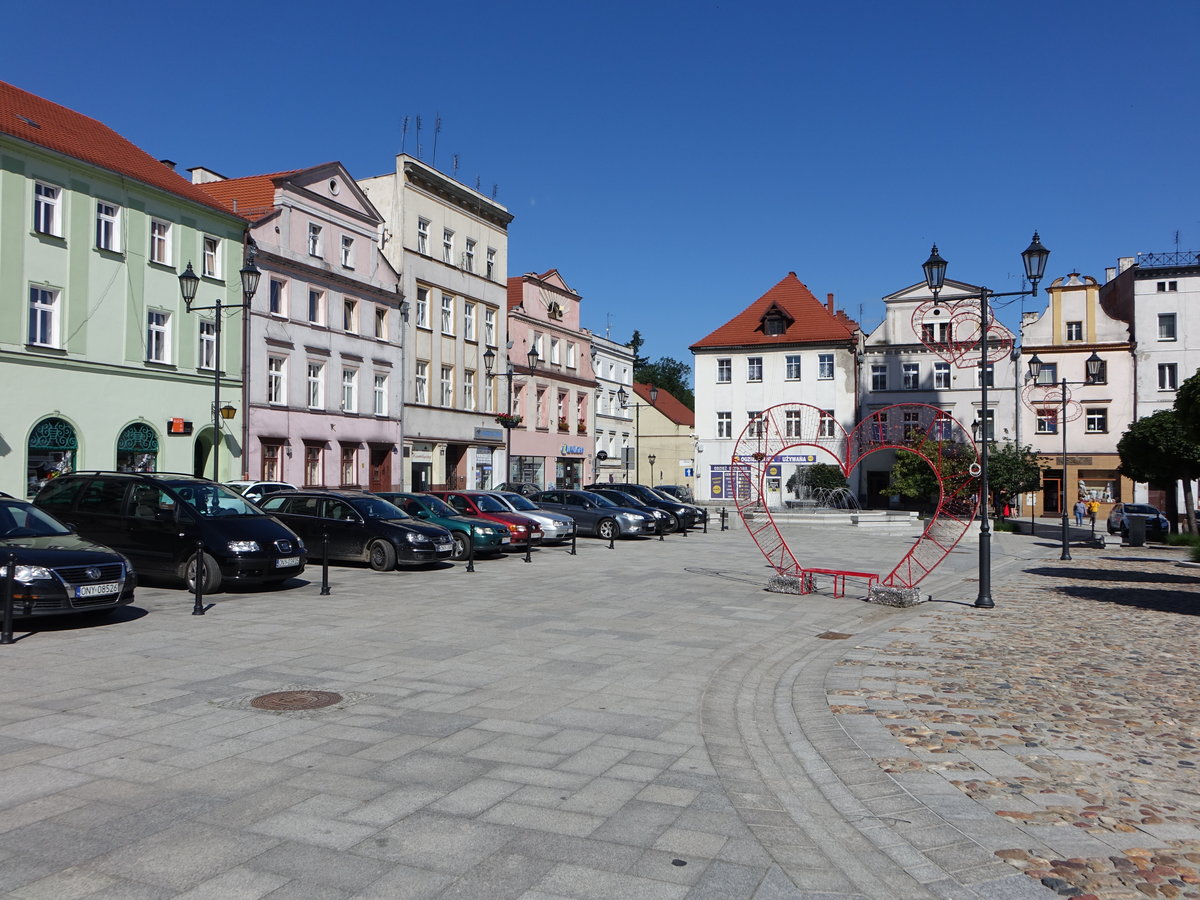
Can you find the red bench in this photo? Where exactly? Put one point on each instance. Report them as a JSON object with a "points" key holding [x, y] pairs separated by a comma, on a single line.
{"points": [[839, 579]]}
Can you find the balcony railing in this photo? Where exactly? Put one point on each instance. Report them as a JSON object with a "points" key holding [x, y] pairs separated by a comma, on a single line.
{"points": [[1165, 260]]}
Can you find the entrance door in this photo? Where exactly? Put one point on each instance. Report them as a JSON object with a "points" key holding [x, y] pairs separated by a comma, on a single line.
{"points": [[380, 471], [421, 473], [1051, 490], [877, 490]]}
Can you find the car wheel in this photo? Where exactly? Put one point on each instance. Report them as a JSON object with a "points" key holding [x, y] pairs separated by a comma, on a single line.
{"points": [[382, 556], [460, 546], [672, 524], [607, 529], [212, 574]]}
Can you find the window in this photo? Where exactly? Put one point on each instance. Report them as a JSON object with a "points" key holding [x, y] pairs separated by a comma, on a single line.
{"points": [[1097, 421], [423, 236], [910, 374], [314, 239], [911, 424], [347, 252], [554, 358], [278, 301], [934, 333], [349, 464], [792, 361], [791, 423], [943, 426], [774, 325], [724, 371], [469, 256], [381, 404], [447, 314], [755, 422], [1074, 331], [491, 263], [724, 424], [825, 427], [349, 315], [275, 380], [570, 354], [158, 336], [941, 376], [447, 386], [1166, 326], [989, 422], [212, 257], [160, 242], [312, 464], [43, 317], [381, 323], [468, 389], [46, 214], [208, 345], [1168, 376], [825, 366], [754, 368], [1164, 286], [108, 234], [421, 383], [879, 377], [423, 307], [270, 462], [1048, 373], [1047, 420], [316, 385], [447, 245], [489, 327], [469, 321], [350, 391], [316, 307]]}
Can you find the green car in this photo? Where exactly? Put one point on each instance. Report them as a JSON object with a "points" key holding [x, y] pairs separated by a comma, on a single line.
{"points": [[490, 539]]}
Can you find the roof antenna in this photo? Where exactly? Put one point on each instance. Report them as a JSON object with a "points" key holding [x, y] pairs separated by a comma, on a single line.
{"points": [[437, 129], [495, 188], [403, 133], [454, 166], [418, 137]]}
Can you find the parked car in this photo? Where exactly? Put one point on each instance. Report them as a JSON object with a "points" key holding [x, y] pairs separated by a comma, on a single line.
{"points": [[524, 488], [360, 527], [58, 572], [490, 538], [1156, 523], [256, 490], [556, 527], [700, 512], [522, 529], [685, 515], [596, 515], [680, 492], [664, 522]]}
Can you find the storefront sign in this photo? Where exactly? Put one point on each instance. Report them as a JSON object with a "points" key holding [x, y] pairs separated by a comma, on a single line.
{"points": [[489, 434], [798, 459], [572, 450], [178, 426]]}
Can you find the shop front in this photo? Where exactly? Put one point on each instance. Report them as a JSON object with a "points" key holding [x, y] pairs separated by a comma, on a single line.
{"points": [[530, 469], [421, 466], [568, 468], [50, 452], [1086, 478]]}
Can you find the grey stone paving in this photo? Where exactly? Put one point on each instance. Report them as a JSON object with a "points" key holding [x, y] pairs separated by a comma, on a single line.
{"points": [[639, 722]]}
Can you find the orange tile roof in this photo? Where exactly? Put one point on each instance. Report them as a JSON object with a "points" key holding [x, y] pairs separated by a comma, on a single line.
{"points": [[515, 293], [812, 321], [667, 404], [252, 197], [38, 121]]}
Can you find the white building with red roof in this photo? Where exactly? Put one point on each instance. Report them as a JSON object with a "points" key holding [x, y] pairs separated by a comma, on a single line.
{"points": [[786, 346]]}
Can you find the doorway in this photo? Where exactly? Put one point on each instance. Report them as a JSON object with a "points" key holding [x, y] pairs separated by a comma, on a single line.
{"points": [[1051, 491], [379, 473]]}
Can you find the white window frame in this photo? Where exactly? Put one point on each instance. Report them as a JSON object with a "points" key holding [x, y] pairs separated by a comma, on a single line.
{"points": [[489, 327], [277, 298], [491, 263], [879, 376], [421, 383], [570, 355], [1074, 331], [316, 307], [423, 236], [1168, 376], [825, 368], [422, 307], [108, 226], [277, 380], [314, 378], [44, 317], [792, 367], [1048, 374], [754, 368], [469, 255], [1167, 327], [350, 391], [347, 252], [47, 209], [1097, 420], [381, 323], [941, 376], [380, 394], [447, 387], [315, 240], [468, 321], [1047, 420], [469, 389], [447, 314], [210, 253], [724, 424], [554, 352], [825, 424], [158, 336], [208, 344], [349, 315], [910, 376], [791, 423], [724, 370], [447, 245], [161, 240]]}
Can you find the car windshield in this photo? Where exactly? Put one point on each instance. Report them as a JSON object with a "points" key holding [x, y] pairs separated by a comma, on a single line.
{"points": [[623, 499], [663, 495], [23, 520], [1140, 509], [488, 503], [516, 501], [240, 487], [212, 500], [378, 508], [598, 499], [437, 507]]}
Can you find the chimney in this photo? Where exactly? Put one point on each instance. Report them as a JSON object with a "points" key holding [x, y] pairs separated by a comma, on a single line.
{"points": [[169, 163], [1110, 273], [829, 303]]}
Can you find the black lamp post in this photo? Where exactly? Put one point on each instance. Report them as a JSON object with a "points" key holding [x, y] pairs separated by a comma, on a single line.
{"points": [[489, 362], [650, 458], [1034, 258], [623, 399], [1092, 365], [189, 282]]}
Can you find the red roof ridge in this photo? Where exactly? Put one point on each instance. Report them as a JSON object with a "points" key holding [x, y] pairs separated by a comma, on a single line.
{"points": [[667, 404]]}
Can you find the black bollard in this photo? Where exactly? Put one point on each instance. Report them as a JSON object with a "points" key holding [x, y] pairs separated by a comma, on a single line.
{"points": [[325, 564], [528, 544], [612, 539], [662, 527], [574, 531], [201, 574], [10, 581], [722, 518], [706, 521], [471, 549]]}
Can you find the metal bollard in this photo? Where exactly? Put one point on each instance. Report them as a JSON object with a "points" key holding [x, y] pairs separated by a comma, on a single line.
{"points": [[574, 531], [722, 518], [661, 530], [612, 538], [471, 548], [10, 581], [528, 544], [325, 564], [201, 574], [706, 521]]}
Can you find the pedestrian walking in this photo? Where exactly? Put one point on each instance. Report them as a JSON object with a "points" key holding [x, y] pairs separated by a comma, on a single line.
{"points": [[1093, 507], [1080, 512]]}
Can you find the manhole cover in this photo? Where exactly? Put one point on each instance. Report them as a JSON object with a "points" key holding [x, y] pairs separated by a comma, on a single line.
{"points": [[289, 700], [833, 636]]}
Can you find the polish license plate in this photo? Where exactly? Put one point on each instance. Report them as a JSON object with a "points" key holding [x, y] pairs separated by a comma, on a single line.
{"points": [[506, 539], [287, 561], [97, 590], [446, 548]]}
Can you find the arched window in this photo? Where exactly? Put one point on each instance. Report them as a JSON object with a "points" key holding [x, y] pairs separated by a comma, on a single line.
{"points": [[50, 452], [137, 449]]}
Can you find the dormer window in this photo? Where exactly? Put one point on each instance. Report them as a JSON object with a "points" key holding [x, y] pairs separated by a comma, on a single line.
{"points": [[775, 321]]}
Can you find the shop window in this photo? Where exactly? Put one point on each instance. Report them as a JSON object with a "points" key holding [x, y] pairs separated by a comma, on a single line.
{"points": [[50, 452], [137, 449]]}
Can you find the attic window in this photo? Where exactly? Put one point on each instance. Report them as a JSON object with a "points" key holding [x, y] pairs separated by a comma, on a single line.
{"points": [[774, 325], [28, 121]]}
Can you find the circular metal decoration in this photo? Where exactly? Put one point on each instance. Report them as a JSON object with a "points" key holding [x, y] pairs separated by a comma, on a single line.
{"points": [[295, 700], [975, 469]]}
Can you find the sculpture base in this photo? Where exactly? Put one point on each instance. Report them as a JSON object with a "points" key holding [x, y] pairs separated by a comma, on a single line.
{"points": [[894, 596]]}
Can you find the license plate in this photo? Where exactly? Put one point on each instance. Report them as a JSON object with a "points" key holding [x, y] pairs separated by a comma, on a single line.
{"points": [[97, 590], [445, 548], [506, 539], [287, 561]]}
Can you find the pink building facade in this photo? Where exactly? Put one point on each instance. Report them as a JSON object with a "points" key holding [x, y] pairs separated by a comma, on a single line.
{"points": [[554, 444]]}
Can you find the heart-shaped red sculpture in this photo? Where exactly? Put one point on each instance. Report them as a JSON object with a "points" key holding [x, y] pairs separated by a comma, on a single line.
{"points": [[952, 329], [926, 430], [1047, 401]]}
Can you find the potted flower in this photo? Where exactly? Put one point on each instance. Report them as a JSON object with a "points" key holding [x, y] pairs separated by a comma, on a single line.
{"points": [[508, 420], [758, 455], [582, 426], [562, 425]]}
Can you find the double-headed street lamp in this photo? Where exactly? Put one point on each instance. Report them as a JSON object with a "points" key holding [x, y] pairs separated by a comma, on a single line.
{"points": [[189, 281], [623, 399], [1093, 364], [489, 362], [1034, 257]]}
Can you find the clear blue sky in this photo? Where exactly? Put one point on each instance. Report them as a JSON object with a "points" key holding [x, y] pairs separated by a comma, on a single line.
{"points": [[675, 160]]}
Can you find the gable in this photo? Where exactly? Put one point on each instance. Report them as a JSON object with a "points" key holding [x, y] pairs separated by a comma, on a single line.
{"points": [[805, 318]]}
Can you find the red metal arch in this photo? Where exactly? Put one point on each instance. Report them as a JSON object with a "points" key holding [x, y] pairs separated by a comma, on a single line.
{"points": [[895, 427]]}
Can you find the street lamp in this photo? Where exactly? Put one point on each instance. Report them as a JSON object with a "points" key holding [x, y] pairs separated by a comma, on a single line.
{"points": [[189, 282], [651, 457], [1092, 365], [1034, 257], [489, 362], [623, 399]]}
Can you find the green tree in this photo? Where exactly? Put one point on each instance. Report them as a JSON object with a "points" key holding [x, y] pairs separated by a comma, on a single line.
{"points": [[670, 375], [635, 344], [1158, 448], [817, 476], [913, 476], [1187, 406], [1012, 470]]}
